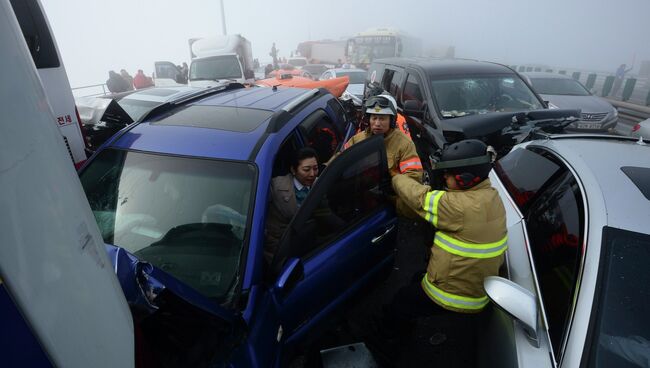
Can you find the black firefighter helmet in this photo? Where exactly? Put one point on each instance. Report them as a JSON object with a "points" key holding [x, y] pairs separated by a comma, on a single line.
{"points": [[469, 161]]}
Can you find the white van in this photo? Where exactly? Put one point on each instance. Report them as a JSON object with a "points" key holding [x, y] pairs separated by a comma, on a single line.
{"points": [[45, 54], [61, 304]]}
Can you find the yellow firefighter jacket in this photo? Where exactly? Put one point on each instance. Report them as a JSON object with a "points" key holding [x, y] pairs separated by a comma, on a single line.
{"points": [[470, 240], [402, 158]]}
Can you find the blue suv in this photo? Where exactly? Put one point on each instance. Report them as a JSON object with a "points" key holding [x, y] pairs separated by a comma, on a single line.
{"points": [[181, 200]]}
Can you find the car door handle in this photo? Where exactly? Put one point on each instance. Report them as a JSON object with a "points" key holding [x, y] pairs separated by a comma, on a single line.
{"points": [[377, 239]]}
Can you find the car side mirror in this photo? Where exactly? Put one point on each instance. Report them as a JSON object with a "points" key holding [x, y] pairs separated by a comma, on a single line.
{"points": [[292, 272], [413, 108], [516, 301]]}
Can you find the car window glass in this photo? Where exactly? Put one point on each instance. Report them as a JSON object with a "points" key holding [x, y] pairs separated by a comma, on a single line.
{"points": [[37, 35], [321, 135], [387, 78], [352, 196], [480, 95], [396, 84], [341, 119], [375, 73], [166, 71], [523, 173], [620, 320], [186, 216], [412, 89], [555, 229]]}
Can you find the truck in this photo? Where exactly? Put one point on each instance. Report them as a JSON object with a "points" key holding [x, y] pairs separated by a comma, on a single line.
{"points": [[323, 52], [213, 59], [379, 43]]}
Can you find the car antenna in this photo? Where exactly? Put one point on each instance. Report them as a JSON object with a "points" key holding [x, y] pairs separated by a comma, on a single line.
{"points": [[640, 141]]}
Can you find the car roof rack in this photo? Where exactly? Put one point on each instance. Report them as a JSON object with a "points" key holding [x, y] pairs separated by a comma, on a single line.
{"points": [[193, 96], [169, 105]]}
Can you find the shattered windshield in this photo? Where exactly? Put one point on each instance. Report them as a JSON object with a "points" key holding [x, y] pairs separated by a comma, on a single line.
{"points": [[186, 216], [215, 68], [481, 95]]}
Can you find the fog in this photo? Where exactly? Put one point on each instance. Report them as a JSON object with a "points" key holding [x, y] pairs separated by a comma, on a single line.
{"points": [[97, 36]]}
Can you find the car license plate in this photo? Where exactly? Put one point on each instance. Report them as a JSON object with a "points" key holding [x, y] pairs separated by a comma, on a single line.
{"points": [[588, 125]]}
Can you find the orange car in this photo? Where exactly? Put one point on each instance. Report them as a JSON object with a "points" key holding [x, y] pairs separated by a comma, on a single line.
{"points": [[335, 86]]}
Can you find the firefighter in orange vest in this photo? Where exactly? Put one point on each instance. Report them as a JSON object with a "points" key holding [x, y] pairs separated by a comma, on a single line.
{"points": [[402, 157], [469, 243]]}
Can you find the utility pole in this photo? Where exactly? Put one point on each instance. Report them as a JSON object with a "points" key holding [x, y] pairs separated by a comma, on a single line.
{"points": [[223, 20]]}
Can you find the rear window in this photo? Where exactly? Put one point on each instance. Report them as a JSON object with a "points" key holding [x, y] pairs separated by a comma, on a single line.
{"points": [[619, 334], [36, 32], [524, 173], [355, 77], [640, 176], [234, 119], [556, 86]]}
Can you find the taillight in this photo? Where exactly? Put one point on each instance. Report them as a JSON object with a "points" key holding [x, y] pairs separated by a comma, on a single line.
{"points": [[636, 127]]}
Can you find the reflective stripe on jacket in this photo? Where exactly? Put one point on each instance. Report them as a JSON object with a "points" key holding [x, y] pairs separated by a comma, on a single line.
{"points": [[470, 240]]}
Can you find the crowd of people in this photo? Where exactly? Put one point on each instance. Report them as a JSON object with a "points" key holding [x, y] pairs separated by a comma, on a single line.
{"points": [[123, 81]]}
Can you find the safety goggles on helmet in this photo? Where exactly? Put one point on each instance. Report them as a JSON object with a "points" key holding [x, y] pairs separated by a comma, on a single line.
{"points": [[379, 105]]}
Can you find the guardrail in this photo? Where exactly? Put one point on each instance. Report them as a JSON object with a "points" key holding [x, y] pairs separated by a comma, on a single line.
{"points": [[94, 90], [630, 111], [635, 90]]}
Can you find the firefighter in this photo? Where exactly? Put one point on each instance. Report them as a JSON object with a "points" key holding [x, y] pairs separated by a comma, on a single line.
{"points": [[469, 243], [381, 112]]}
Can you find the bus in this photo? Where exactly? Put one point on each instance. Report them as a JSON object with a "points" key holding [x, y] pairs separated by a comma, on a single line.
{"points": [[377, 43]]}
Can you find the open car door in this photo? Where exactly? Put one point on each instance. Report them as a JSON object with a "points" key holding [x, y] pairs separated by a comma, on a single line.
{"points": [[168, 74], [342, 236]]}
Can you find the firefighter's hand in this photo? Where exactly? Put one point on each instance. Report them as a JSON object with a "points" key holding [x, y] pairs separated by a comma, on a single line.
{"points": [[394, 171]]}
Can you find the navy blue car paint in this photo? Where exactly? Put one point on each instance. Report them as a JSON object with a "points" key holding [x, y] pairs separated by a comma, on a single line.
{"points": [[272, 320], [18, 345]]}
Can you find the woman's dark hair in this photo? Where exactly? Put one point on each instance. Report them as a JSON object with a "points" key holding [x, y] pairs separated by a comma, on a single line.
{"points": [[301, 154]]}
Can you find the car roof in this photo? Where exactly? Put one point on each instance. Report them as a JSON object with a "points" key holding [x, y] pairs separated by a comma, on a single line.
{"points": [[546, 75], [160, 94], [194, 138], [450, 67], [604, 156]]}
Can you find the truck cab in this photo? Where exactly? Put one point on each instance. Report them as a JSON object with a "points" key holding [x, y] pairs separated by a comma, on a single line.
{"points": [[214, 60]]}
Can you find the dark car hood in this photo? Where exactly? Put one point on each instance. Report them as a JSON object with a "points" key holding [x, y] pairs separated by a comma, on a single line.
{"points": [[588, 104], [483, 125]]}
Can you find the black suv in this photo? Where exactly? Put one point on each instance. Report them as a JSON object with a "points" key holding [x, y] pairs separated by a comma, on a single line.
{"points": [[447, 100]]}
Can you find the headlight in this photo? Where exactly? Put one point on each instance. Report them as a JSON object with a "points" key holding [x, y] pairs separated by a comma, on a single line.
{"points": [[615, 113]]}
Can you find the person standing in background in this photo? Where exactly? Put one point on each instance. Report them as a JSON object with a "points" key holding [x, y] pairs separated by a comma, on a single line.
{"points": [[127, 78]]}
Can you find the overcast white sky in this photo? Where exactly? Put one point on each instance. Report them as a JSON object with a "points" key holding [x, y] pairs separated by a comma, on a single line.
{"points": [[95, 36]]}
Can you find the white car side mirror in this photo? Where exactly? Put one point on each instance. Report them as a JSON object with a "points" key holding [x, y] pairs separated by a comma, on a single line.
{"points": [[516, 301]]}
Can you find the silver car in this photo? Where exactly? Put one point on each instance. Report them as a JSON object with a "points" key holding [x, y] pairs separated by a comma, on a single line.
{"points": [[357, 79], [575, 290], [642, 129], [564, 92]]}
